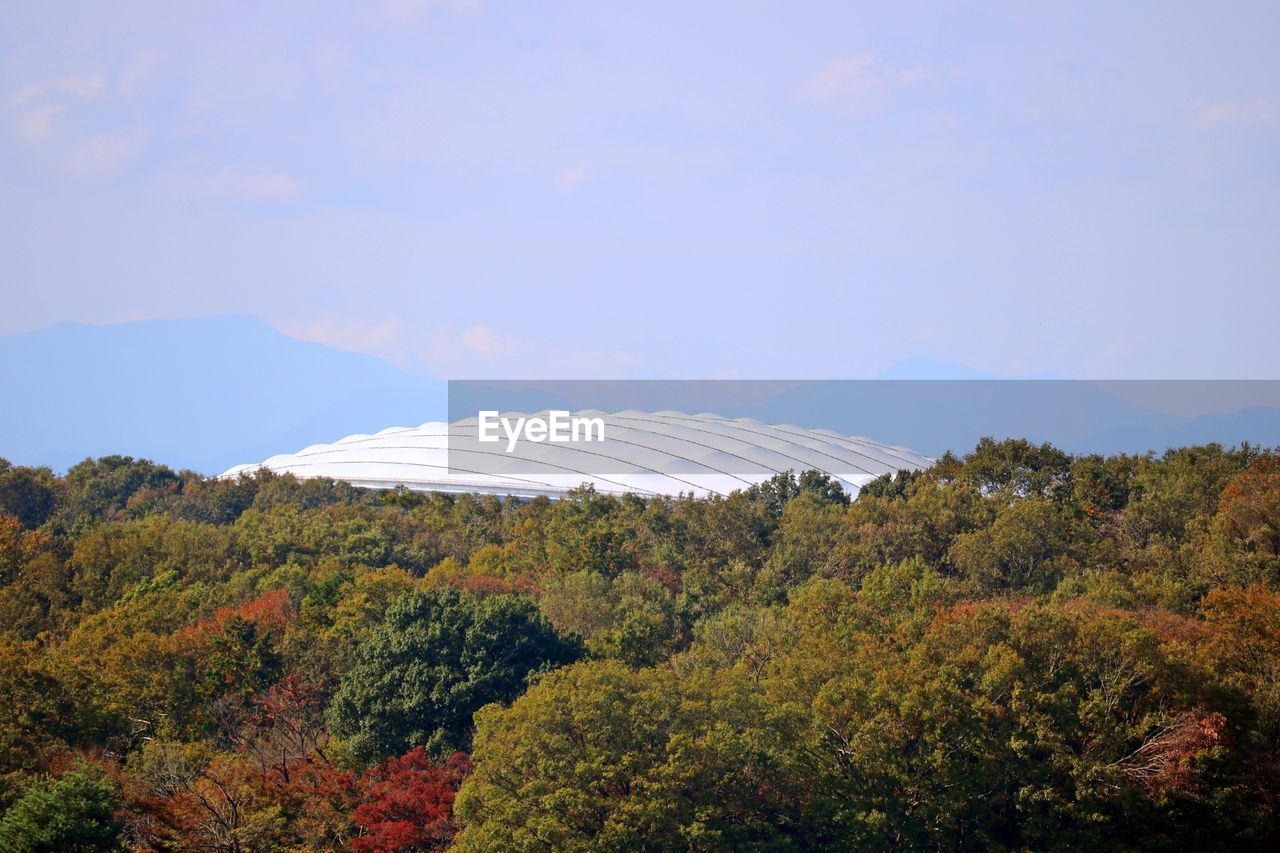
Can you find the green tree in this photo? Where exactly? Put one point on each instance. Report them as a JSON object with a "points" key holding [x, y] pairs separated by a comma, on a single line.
{"points": [[438, 657], [239, 662], [775, 493], [1240, 545], [36, 713], [922, 523], [631, 618], [98, 489], [110, 559], [601, 757], [74, 813], [803, 544], [1027, 547], [1012, 468], [28, 494], [1166, 495], [1003, 726]]}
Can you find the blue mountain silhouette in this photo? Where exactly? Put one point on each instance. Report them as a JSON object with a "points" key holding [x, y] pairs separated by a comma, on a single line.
{"points": [[212, 392], [203, 393]]}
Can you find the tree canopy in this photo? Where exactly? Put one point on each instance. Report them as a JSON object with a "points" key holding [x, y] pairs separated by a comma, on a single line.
{"points": [[1016, 648], [437, 658]]}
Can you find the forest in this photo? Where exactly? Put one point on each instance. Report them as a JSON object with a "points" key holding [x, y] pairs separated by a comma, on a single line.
{"points": [[1018, 648]]}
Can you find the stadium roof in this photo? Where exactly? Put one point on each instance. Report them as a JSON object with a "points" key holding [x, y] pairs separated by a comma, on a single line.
{"points": [[648, 453]]}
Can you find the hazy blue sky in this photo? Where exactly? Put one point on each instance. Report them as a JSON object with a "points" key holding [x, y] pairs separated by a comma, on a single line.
{"points": [[652, 189]]}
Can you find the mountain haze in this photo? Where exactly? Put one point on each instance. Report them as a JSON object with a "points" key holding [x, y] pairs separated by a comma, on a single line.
{"points": [[202, 393], [209, 393]]}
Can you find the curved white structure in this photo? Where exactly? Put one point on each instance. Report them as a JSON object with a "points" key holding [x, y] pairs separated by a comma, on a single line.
{"points": [[648, 453]]}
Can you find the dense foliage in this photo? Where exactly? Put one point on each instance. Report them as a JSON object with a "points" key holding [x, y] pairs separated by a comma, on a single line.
{"points": [[1017, 648], [437, 658], [75, 812]]}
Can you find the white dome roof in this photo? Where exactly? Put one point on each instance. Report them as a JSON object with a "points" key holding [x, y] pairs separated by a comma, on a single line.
{"points": [[648, 453]]}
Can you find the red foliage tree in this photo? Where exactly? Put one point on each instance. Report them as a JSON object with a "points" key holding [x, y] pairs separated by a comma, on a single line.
{"points": [[1165, 760], [284, 727], [408, 803]]}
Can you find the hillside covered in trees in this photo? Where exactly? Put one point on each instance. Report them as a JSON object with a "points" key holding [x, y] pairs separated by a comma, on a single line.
{"points": [[1015, 649]]}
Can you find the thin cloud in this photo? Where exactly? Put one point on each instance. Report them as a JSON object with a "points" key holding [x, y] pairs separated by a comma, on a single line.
{"points": [[79, 87], [482, 351], [36, 106], [246, 187], [572, 178], [105, 156], [384, 339], [136, 73], [478, 351], [407, 10], [857, 83], [1257, 112], [35, 125], [840, 76], [484, 340]]}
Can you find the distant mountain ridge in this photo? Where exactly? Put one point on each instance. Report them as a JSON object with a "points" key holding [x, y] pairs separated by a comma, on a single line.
{"points": [[209, 393], [203, 393], [930, 416]]}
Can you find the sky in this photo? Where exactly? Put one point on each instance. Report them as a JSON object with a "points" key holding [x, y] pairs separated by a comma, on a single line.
{"points": [[668, 190]]}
